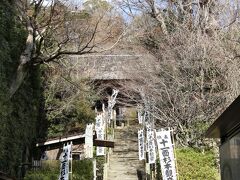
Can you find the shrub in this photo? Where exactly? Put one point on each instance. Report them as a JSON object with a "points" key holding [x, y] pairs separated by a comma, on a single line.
{"points": [[193, 164], [82, 170]]}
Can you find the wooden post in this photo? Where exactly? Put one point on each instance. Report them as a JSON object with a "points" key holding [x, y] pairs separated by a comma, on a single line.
{"points": [[175, 157], [105, 169], [94, 169], [147, 169], [114, 118], [70, 163]]}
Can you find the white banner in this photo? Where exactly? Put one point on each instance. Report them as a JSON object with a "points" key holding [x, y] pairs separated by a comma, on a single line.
{"points": [[148, 128], [100, 136], [100, 131], [111, 104], [166, 155], [141, 149], [64, 160], [140, 117], [89, 141], [100, 151], [99, 122], [151, 147]]}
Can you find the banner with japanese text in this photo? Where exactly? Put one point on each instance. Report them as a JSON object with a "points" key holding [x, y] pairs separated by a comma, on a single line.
{"points": [[64, 160], [151, 146], [141, 144], [89, 141], [140, 116], [166, 155], [100, 131], [100, 136], [99, 122]]}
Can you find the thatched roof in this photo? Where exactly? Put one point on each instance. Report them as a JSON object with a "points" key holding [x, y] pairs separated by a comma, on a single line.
{"points": [[113, 66]]}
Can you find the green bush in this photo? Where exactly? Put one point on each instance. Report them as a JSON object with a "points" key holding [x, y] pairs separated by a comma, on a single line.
{"points": [[82, 170], [100, 167], [195, 165]]}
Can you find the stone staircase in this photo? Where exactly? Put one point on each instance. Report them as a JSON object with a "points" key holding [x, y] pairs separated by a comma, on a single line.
{"points": [[123, 161]]}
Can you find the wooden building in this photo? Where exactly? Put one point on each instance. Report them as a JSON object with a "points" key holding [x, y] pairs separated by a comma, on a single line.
{"points": [[52, 149], [227, 129]]}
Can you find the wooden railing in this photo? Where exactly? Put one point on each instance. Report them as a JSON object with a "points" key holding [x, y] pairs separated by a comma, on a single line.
{"points": [[36, 164]]}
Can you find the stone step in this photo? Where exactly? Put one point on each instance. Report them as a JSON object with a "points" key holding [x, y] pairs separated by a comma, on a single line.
{"points": [[116, 145], [126, 140], [120, 144], [123, 155], [135, 163], [125, 146], [127, 175], [119, 150], [125, 135], [122, 178], [125, 149], [126, 169], [122, 169], [129, 145], [126, 143], [123, 172], [115, 175], [130, 159], [123, 161], [119, 177]]}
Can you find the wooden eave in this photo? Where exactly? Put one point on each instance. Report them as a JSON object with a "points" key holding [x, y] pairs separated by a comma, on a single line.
{"points": [[76, 140], [60, 140], [228, 122]]}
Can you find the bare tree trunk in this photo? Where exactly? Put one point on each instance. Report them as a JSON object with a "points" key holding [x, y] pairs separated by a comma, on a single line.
{"points": [[25, 58], [157, 14]]}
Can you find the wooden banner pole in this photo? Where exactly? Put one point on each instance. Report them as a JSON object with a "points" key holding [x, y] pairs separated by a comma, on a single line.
{"points": [[175, 154]]}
